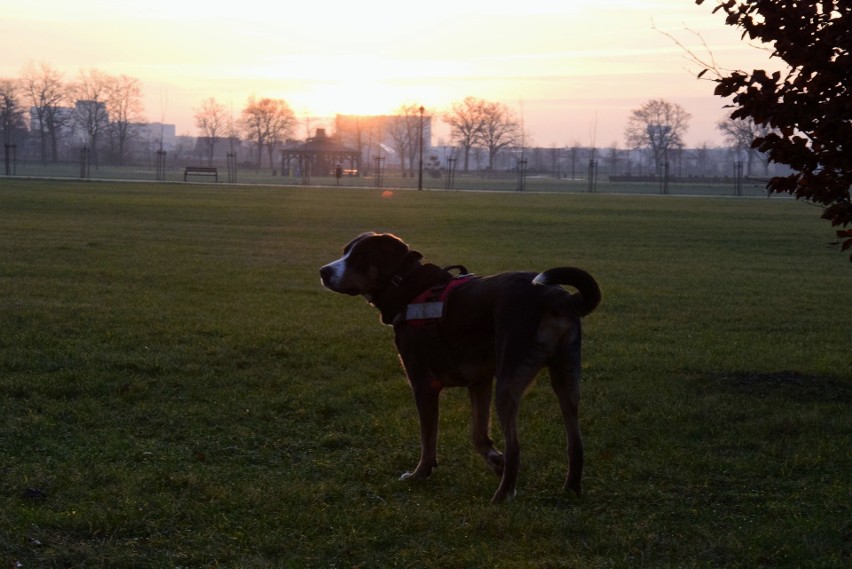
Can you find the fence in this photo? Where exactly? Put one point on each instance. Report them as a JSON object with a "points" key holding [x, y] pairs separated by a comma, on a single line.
{"points": [[445, 179]]}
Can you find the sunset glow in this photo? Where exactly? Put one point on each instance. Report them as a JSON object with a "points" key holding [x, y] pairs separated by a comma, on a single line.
{"points": [[574, 70]]}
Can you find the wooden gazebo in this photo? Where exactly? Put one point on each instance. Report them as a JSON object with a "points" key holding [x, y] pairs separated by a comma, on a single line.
{"points": [[318, 156]]}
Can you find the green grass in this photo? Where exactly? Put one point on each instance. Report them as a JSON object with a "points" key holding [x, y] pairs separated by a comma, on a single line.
{"points": [[176, 389]]}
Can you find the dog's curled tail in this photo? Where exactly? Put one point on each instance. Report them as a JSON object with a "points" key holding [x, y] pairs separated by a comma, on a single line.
{"points": [[589, 294]]}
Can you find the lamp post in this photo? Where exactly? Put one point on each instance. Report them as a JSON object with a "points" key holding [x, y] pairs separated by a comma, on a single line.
{"points": [[420, 174]]}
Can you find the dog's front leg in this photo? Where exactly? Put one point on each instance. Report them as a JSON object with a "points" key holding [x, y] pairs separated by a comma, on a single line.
{"points": [[426, 397]]}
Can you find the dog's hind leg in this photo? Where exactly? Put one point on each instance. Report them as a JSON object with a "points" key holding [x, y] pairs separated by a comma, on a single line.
{"points": [[565, 380], [510, 390], [480, 403]]}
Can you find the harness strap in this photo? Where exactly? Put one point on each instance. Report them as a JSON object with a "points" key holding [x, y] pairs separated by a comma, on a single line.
{"points": [[423, 311], [429, 306]]}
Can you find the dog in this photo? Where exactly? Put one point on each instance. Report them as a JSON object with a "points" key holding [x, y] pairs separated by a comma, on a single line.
{"points": [[466, 331]]}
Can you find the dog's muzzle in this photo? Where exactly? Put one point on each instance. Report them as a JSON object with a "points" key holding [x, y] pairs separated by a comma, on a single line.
{"points": [[326, 274], [331, 276]]}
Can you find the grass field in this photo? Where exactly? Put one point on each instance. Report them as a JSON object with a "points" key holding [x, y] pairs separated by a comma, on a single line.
{"points": [[178, 391]]}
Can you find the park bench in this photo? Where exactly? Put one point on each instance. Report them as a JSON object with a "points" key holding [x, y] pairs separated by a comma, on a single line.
{"points": [[200, 171]]}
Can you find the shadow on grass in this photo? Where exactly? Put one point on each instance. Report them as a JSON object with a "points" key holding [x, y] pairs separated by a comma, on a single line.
{"points": [[786, 384]]}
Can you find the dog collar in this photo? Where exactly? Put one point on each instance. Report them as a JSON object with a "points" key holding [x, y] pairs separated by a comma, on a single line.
{"points": [[409, 263]]}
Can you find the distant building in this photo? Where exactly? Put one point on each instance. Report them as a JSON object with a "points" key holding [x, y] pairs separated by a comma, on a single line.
{"points": [[157, 133]]}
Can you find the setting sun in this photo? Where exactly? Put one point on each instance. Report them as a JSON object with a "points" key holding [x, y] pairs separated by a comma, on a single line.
{"points": [[361, 97], [563, 66], [349, 97]]}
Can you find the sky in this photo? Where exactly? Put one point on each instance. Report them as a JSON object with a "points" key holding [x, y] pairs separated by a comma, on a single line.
{"points": [[571, 70]]}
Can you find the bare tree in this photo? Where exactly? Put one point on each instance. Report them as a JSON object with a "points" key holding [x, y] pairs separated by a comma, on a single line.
{"points": [[398, 132], [404, 130], [92, 92], [740, 133], [702, 158], [612, 158], [658, 125], [267, 123], [465, 120], [212, 120], [500, 128], [281, 126], [125, 111], [46, 91], [11, 111]]}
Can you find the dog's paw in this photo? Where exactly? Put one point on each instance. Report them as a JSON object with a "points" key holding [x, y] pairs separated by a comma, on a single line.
{"points": [[413, 476], [573, 486], [416, 475], [501, 496]]}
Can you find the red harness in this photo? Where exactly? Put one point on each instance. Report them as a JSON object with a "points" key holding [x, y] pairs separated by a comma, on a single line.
{"points": [[428, 307]]}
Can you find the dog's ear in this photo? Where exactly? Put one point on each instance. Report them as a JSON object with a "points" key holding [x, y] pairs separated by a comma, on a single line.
{"points": [[392, 251]]}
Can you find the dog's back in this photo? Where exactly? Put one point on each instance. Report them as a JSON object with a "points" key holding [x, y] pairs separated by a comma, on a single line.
{"points": [[518, 314]]}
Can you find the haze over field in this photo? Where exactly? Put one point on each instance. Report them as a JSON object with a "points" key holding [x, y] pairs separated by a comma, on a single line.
{"points": [[573, 70]]}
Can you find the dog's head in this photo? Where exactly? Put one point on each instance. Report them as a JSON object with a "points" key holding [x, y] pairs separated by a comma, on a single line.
{"points": [[368, 263]]}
